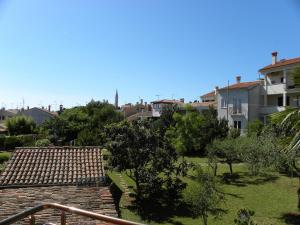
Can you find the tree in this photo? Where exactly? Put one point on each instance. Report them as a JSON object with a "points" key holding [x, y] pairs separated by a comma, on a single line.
{"points": [[255, 127], [137, 147], [296, 76], [227, 150], [20, 125], [193, 131], [85, 123], [261, 152], [204, 196]]}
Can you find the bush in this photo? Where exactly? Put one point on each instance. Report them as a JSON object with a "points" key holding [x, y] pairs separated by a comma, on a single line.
{"points": [[42, 143], [2, 141], [20, 125], [11, 142], [4, 156]]}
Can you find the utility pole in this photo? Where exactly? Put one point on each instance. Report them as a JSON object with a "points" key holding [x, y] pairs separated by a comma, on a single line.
{"points": [[227, 100]]}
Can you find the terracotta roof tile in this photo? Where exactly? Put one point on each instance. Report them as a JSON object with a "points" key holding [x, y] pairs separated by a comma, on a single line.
{"points": [[53, 166], [210, 94], [168, 101], [241, 85], [281, 63]]}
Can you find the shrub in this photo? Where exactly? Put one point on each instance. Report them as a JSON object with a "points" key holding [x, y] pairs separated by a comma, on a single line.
{"points": [[20, 125], [42, 143], [11, 142], [4, 156], [2, 141]]}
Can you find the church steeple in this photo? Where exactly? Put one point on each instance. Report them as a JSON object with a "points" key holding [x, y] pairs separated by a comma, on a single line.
{"points": [[117, 100]]}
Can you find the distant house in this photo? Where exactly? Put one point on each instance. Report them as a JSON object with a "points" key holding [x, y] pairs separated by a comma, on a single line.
{"points": [[39, 115], [5, 114], [159, 105], [239, 103]]}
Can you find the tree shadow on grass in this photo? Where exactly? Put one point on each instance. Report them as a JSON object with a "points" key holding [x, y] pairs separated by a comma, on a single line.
{"points": [[291, 218], [244, 179], [160, 210]]}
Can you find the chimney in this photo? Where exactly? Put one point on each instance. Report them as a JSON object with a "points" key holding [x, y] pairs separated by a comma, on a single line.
{"points": [[142, 101], [61, 108], [274, 58], [27, 107], [49, 108], [216, 90], [238, 79], [182, 100]]}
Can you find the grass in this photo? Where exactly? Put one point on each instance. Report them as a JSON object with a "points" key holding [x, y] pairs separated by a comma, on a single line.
{"points": [[273, 197]]}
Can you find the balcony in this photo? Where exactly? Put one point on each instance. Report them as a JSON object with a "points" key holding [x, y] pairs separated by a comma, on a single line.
{"points": [[274, 89], [271, 109]]}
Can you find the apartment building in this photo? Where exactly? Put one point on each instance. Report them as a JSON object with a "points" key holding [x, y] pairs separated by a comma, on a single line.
{"points": [[278, 90]]}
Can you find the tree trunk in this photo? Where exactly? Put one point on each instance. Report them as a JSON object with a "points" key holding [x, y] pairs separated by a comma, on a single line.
{"points": [[230, 167], [204, 217], [215, 169], [137, 183]]}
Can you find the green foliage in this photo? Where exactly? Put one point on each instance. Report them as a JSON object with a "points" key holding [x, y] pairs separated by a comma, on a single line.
{"points": [[226, 150], [255, 127], [4, 156], [11, 142], [137, 147], [296, 76], [234, 133], [42, 143], [84, 123], [193, 131], [20, 125], [185, 135], [261, 152], [244, 217], [204, 196]]}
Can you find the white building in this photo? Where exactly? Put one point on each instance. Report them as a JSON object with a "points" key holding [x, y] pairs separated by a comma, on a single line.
{"points": [[238, 103], [279, 90], [245, 101], [160, 105]]}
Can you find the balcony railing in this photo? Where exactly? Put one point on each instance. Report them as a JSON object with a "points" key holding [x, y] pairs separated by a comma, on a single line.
{"points": [[273, 89], [30, 213], [271, 109]]}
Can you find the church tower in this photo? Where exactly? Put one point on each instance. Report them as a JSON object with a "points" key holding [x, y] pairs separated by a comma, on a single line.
{"points": [[116, 100]]}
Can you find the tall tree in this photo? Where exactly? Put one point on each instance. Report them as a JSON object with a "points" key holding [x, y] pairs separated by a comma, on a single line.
{"points": [[138, 148]]}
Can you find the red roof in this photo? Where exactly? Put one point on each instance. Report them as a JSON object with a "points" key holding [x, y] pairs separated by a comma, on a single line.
{"points": [[281, 63], [241, 85], [210, 94], [166, 101]]}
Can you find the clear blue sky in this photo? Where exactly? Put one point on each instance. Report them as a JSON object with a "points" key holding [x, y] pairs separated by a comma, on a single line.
{"points": [[71, 51]]}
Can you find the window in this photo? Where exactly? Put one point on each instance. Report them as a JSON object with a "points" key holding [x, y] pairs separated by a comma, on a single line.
{"points": [[282, 80], [223, 103], [280, 101], [298, 101], [237, 124]]}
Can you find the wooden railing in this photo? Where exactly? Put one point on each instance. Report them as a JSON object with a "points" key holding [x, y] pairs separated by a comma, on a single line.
{"points": [[30, 213]]}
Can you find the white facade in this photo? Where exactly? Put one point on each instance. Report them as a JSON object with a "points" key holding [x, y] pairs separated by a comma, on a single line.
{"points": [[239, 105]]}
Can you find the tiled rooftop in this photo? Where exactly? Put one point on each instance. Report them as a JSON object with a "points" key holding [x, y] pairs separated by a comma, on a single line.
{"points": [[281, 63], [53, 166], [241, 85]]}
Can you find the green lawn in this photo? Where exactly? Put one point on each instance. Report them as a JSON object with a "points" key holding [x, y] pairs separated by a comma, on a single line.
{"points": [[272, 197]]}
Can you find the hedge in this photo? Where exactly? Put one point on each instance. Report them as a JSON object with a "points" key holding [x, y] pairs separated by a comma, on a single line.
{"points": [[11, 142]]}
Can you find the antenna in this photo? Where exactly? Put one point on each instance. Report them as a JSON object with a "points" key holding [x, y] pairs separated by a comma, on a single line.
{"points": [[157, 96]]}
